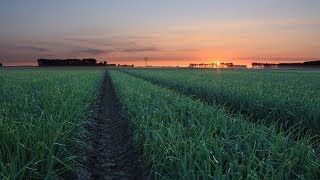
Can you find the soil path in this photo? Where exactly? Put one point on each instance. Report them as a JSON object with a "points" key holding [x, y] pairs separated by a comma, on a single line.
{"points": [[111, 154]]}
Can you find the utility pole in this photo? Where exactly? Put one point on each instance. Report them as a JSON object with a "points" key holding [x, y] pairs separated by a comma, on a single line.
{"points": [[146, 61]]}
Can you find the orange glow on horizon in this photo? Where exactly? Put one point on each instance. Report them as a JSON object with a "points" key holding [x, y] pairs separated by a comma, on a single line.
{"points": [[180, 63], [165, 57]]}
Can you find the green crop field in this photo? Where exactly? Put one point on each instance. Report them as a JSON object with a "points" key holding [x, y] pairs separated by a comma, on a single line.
{"points": [[187, 138], [42, 113], [186, 123], [288, 98]]}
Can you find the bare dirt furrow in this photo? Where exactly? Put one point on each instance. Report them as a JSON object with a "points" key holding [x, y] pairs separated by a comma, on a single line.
{"points": [[111, 154]]}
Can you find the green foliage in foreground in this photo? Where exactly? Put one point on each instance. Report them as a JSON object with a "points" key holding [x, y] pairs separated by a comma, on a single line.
{"points": [[183, 138], [41, 113], [286, 97]]}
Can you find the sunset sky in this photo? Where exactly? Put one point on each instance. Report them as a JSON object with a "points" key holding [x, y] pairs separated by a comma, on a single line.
{"points": [[169, 32]]}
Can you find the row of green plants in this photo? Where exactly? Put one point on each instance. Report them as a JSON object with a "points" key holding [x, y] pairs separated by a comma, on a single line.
{"points": [[180, 137], [290, 98], [42, 116]]}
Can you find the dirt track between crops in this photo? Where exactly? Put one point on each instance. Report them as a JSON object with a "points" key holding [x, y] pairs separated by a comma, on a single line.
{"points": [[111, 154]]}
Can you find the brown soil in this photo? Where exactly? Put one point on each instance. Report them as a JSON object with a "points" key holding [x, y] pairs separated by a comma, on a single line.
{"points": [[110, 153]]}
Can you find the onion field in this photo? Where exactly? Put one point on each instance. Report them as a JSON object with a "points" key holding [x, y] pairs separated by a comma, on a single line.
{"points": [[184, 137], [174, 123], [289, 98], [42, 113]]}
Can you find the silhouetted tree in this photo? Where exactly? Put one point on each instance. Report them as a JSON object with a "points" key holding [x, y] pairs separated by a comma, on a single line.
{"points": [[1, 64], [89, 61], [307, 64], [312, 63], [69, 62]]}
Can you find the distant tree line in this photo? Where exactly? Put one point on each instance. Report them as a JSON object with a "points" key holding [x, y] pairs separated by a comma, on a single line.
{"points": [[70, 62], [1, 64], [307, 64], [217, 65], [120, 65], [211, 65]]}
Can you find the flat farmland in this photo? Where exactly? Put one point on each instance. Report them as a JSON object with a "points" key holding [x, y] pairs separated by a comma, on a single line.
{"points": [[287, 98], [159, 123], [42, 113], [185, 128]]}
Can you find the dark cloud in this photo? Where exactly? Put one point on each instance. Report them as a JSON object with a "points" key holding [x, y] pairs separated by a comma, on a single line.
{"points": [[139, 49], [94, 51], [119, 44], [25, 47], [33, 48], [89, 41]]}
